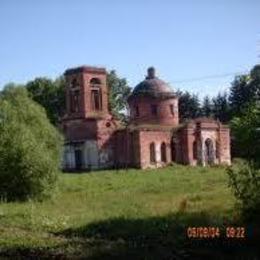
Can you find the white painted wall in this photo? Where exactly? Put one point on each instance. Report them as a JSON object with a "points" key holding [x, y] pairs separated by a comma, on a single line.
{"points": [[68, 157], [92, 157], [90, 152]]}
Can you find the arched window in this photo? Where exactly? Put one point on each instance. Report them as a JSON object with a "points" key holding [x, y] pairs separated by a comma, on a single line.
{"points": [[152, 153], [95, 81], [195, 150], [163, 152], [96, 96], [74, 96]]}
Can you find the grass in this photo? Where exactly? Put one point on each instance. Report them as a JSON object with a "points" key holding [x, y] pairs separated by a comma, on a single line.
{"points": [[119, 214]]}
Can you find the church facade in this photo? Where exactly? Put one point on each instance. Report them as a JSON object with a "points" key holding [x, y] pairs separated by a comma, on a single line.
{"points": [[153, 138]]}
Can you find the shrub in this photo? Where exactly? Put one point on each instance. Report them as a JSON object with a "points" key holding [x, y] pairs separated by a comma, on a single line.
{"points": [[30, 148], [244, 178]]}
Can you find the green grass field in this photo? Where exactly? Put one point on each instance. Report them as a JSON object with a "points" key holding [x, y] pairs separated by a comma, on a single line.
{"points": [[126, 214]]}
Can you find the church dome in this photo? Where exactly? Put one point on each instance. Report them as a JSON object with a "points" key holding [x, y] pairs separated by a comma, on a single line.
{"points": [[153, 87]]}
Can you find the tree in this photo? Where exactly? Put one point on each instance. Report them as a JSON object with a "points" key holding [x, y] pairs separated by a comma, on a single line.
{"points": [[239, 94], [245, 89], [30, 147], [246, 131], [254, 84], [221, 108], [206, 109], [189, 105], [244, 175], [118, 94], [50, 94]]}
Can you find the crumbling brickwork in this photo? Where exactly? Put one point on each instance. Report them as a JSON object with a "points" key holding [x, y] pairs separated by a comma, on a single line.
{"points": [[153, 137]]}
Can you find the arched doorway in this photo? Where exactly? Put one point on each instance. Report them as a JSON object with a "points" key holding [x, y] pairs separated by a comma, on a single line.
{"points": [[163, 152], [195, 150], [152, 153], [217, 150], [173, 151], [209, 152]]}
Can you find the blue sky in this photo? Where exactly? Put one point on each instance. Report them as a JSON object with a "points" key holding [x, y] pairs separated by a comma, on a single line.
{"points": [[184, 40]]}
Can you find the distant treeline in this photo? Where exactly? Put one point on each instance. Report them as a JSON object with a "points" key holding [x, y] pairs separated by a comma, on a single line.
{"points": [[244, 90]]}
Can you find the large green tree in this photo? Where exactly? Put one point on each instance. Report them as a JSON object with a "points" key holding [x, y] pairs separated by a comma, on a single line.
{"points": [[207, 107], [221, 108], [245, 89], [239, 94], [189, 105], [50, 94], [246, 131], [30, 147], [244, 176], [118, 94]]}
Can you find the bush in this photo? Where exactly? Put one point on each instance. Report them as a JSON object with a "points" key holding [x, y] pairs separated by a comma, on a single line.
{"points": [[244, 178], [30, 148]]}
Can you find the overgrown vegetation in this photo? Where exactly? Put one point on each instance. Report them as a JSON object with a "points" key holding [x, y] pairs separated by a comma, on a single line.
{"points": [[245, 175], [125, 215], [244, 179], [29, 148]]}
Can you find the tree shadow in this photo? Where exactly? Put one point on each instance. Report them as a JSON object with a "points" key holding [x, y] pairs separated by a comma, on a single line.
{"points": [[158, 237], [163, 237]]}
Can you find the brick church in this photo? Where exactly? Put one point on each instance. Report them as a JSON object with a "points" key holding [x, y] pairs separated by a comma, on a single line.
{"points": [[94, 139]]}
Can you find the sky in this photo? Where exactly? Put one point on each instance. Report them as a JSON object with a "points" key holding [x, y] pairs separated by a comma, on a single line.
{"points": [[197, 46]]}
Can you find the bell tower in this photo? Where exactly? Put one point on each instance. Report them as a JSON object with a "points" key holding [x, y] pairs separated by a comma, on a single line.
{"points": [[88, 127], [86, 92]]}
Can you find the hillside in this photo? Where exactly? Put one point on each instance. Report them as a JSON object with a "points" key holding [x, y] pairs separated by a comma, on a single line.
{"points": [[126, 213]]}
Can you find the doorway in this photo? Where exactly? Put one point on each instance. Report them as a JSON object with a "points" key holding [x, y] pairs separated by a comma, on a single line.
{"points": [[78, 159], [209, 152], [173, 151]]}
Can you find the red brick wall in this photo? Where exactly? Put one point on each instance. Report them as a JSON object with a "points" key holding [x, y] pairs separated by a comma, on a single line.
{"points": [[79, 78], [83, 77], [80, 129], [127, 148], [87, 95], [186, 139], [158, 137], [224, 142], [132, 147], [218, 133], [164, 115]]}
